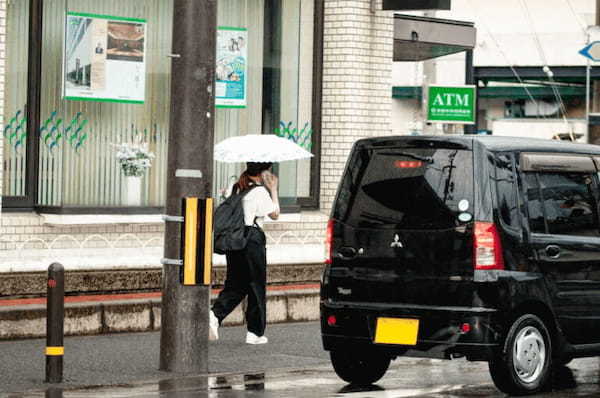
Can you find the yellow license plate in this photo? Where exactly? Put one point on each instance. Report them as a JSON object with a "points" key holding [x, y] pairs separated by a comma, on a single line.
{"points": [[397, 331]]}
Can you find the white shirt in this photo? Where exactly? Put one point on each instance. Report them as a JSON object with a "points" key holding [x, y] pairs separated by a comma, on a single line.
{"points": [[257, 203]]}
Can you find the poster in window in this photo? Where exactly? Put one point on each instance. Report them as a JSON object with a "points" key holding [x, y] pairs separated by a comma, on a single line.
{"points": [[104, 58], [232, 65]]}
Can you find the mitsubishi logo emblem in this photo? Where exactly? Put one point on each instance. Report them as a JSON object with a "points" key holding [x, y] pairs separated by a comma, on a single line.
{"points": [[396, 243]]}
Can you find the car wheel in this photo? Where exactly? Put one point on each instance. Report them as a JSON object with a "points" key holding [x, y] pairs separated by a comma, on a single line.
{"points": [[524, 365], [361, 367]]}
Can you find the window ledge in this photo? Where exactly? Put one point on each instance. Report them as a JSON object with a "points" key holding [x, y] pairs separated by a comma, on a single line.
{"points": [[94, 219], [99, 219]]}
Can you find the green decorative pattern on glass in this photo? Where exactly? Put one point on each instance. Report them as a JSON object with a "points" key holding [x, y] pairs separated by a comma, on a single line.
{"points": [[75, 132], [16, 130], [53, 130], [301, 137]]}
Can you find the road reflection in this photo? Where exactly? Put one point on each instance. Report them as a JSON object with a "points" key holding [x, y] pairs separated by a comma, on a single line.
{"points": [[406, 378]]}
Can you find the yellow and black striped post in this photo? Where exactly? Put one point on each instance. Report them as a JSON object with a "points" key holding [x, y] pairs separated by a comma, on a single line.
{"points": [[55, 316], [197, 241]]}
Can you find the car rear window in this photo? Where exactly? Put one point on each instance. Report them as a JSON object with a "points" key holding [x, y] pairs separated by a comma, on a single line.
{"points": [[406, 188]]}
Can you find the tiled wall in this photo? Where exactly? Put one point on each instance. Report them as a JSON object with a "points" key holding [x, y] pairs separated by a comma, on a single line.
{"points": [[357, 76], [29, 241], [27, 231]]}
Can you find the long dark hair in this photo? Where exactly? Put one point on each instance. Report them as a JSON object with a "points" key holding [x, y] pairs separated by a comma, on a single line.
{"points": [[252, 169], [243, 182]]}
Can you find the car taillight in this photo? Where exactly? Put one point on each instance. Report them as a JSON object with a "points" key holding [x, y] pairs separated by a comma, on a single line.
{"points": [[328, 240], [403, 164], [487, 248]]}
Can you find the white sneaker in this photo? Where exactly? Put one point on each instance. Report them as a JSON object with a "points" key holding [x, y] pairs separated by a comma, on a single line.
{"points": [[251, 338], [213, 326]]}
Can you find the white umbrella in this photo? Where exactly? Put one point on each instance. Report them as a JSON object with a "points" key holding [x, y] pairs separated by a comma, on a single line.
{"points": [[259, 148]]}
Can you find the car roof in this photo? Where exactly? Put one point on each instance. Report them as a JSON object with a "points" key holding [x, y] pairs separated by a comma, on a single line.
{"points": [[493, 143]]}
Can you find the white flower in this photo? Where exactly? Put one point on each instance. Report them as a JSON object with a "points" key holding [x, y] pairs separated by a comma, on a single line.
{"points": [[134, 159]]}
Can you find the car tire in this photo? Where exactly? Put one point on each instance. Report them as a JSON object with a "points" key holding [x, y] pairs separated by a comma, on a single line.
{"points": [[359, 367], [524, 365]]}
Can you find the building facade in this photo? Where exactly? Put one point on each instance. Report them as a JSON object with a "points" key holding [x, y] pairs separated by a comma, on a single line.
{"points": [[2, 74], [518, 96], [316, 71]]}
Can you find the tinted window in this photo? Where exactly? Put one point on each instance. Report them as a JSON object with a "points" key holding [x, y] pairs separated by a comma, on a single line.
{"points": [[569, 204], [406, 188], [534, 204], [507, 190]]}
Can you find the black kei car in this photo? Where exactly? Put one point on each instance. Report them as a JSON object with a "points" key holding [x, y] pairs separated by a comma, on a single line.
{"points": [[480, 247]]}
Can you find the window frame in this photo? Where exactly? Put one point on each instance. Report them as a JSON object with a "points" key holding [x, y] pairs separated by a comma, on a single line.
{"points": [[34, 88], [312, 201]]}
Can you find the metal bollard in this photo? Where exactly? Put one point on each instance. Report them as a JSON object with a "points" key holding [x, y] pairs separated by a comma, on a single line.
{"points": [[55, 318]]}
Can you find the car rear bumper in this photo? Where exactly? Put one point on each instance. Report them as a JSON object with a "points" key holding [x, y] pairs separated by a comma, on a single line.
{"points": [[439, 330]]}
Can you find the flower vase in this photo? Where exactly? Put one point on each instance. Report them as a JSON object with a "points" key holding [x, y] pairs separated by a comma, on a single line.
{"points": [[132, 192]]}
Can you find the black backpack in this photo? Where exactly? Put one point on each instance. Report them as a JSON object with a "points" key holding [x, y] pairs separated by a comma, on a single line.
{"points": [[229, 224]]}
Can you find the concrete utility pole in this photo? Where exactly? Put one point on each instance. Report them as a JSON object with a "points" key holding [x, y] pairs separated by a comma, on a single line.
{"points": [[184, 315], [470, 79]]}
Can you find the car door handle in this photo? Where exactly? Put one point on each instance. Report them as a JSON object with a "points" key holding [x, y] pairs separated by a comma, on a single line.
{"points": [[347, 253], [553, 251]]}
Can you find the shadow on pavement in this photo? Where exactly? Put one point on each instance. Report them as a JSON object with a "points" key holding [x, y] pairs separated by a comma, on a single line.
{"points": [[350, 388]]}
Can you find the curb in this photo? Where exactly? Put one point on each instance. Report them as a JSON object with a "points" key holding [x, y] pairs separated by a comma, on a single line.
{"points": [[86, 315], [33, 284]]}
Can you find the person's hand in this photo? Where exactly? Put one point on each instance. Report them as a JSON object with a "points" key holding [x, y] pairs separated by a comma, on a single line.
{"points": [[270, 180]]}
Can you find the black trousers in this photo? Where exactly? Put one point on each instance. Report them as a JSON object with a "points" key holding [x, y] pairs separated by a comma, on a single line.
{"points": [[246, 276]]}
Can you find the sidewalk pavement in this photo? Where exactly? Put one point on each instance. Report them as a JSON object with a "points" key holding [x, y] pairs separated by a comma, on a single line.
{"points": [[124, 358]]}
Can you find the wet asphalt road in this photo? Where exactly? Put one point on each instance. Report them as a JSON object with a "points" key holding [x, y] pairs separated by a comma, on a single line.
{"points": [[299, 368], [407, 378]]}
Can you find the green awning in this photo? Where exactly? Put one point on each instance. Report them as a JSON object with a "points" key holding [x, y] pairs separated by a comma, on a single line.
{"points": [[508, 92]]}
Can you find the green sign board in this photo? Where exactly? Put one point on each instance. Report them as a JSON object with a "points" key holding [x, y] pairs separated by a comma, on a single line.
{"points": [[451, 104]]}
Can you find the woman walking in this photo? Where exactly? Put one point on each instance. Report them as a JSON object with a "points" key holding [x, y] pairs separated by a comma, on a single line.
{"points": [[247, 268]]}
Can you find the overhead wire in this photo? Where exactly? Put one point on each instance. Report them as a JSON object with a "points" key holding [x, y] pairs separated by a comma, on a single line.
{"points": [[510, 65], [546, 68], [581, 24]]}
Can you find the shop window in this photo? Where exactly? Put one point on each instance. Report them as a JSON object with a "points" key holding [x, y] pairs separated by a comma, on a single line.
{"points": [[514, 109], [529, 109], [77, 165], [14, 128], [79, 136], [279, 82]]}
